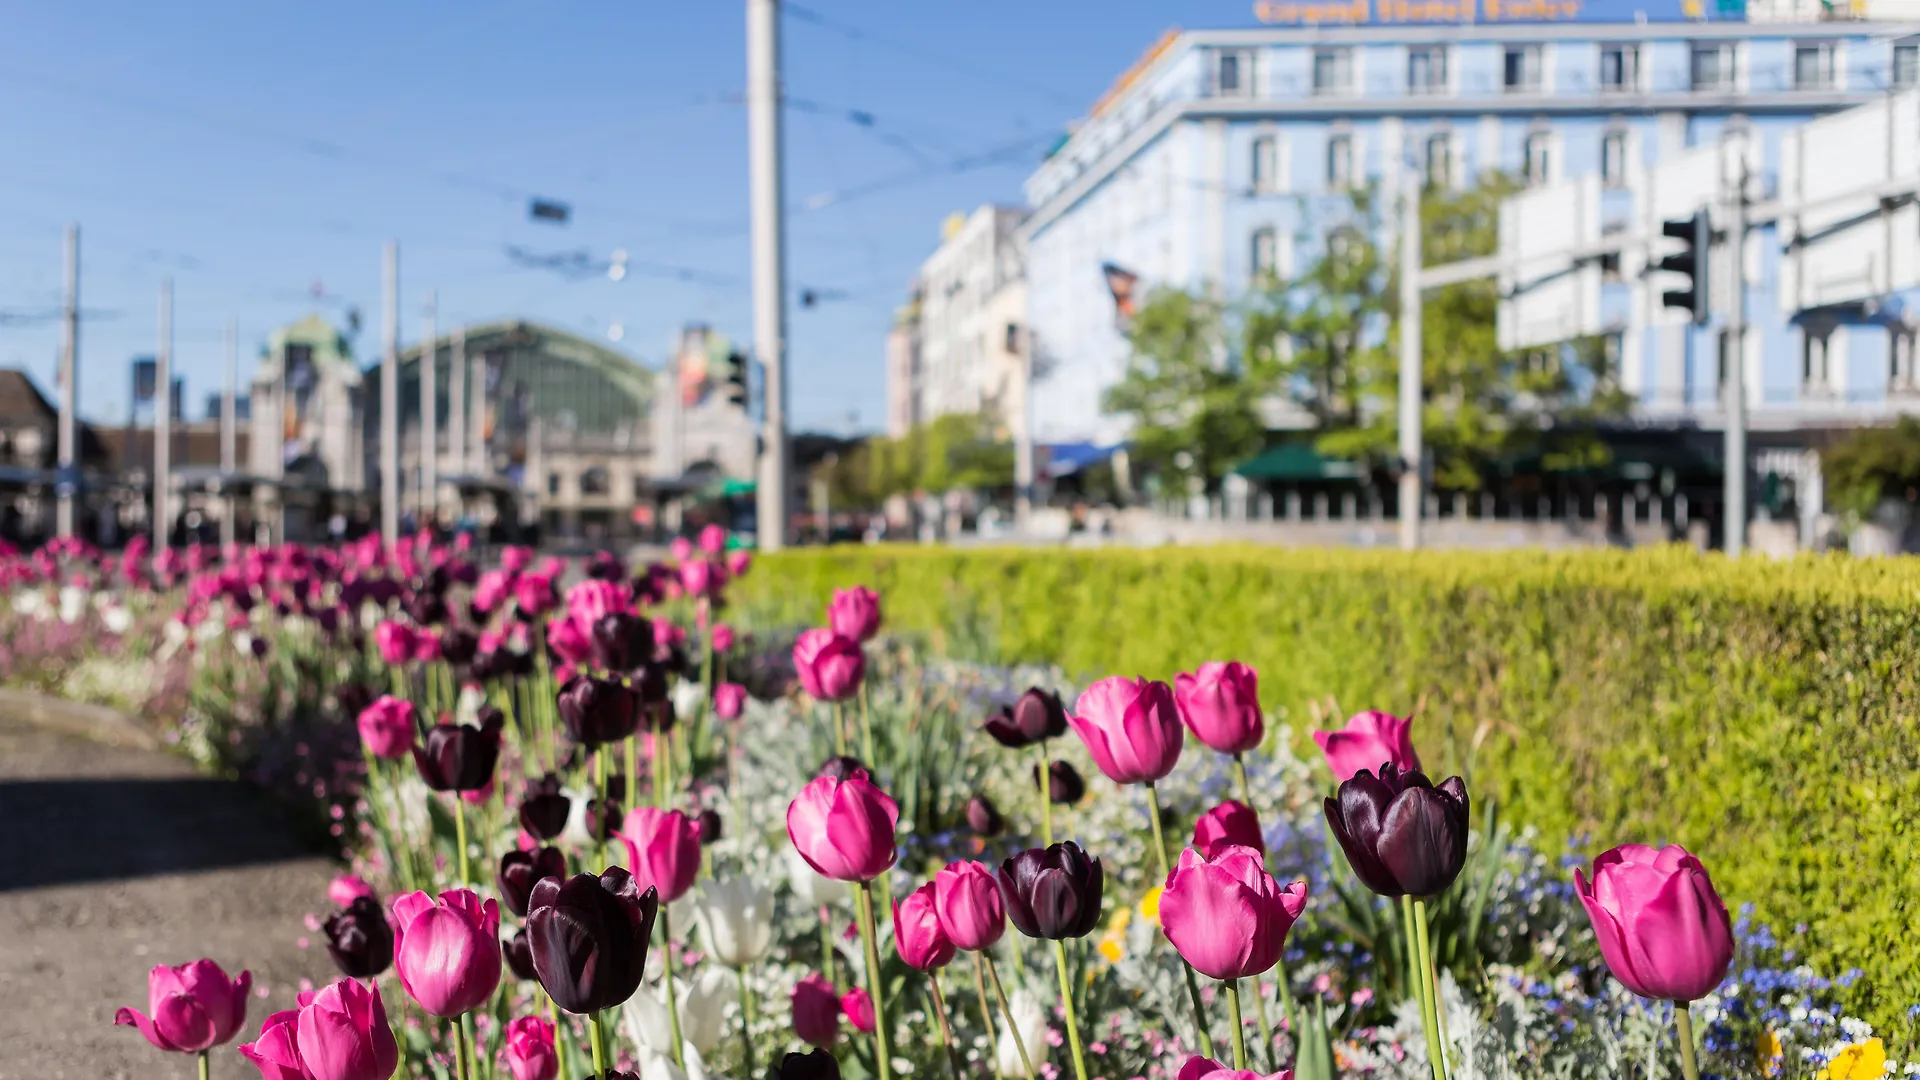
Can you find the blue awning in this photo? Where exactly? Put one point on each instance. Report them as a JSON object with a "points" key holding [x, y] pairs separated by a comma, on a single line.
{"points": [[1065, 459]]}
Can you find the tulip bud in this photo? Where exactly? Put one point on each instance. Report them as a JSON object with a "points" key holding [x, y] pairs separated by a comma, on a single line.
{"points": [[458, 647], [344, 889], [530, 1050], [663, 850], [983, 817], [359, 939], [518, 952], [729, 700], [840, 767], [1131, 727], [352, 698], [1052, 893], [830, 665], [709, 829], [816, 1011], [1232, 822], [589, 938], [1035, 716], [193, 1007], [812, 1065], [387, 727], [621, 641], [1370, 740], [1064, 786], [917, 934], [447, 950], [605, 566], [1662, 928], [1220, 704], [844, 828], [1225, 914], [343, 1034], [736, 920], [966, 899], [460, 757], [858, 1009], [1402, 835], [855, 613], [544, 809], [598, 711], [520, 871]]}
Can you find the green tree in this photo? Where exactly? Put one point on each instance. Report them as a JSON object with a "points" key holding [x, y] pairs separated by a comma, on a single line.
{"points": [[1872, 464], [1190, 401]]}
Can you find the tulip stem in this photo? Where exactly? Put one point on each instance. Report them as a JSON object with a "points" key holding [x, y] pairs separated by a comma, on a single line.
{"points": [[1006, 1010], [828, 955], [1683, 1023], [986, 1017], [866, 730], [206, 1067], [460, 834], [839, 730], [666, 986], [630, 758], [746, 1023], [1045, 783], [1066, 1003], [546, 1006], [1232, 987], [460, 1050], [940, 1014], [1429, 995], [597, 1038], [1193, 983], [883, 1062]]}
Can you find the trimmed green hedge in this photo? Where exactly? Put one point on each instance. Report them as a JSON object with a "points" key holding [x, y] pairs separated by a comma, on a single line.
{"points": [[1761, 713]]}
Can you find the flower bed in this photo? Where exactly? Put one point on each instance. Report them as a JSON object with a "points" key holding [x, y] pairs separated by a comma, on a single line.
{"points": [[837, 841]]}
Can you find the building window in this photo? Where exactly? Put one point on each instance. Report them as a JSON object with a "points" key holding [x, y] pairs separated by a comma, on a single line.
{"points": [[1439, 170], [595, 481], [1815, 366], [1613, 159], [1427, 69], [1332, 71], [1538, 164], [1610, 268], [1723, 355], [553, 483], [1713, 66], [1620, 68], [1906, 66], [1233, 75], [1340, 162], [1266, 253], [1266, 164], [1813, 66], [1523, 69], [1900, 344]]}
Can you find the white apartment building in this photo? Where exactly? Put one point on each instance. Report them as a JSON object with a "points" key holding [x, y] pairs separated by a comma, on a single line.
{"points": [[972, 318]]}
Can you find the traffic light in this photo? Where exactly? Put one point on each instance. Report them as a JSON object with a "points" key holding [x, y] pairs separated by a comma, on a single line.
{"points": [[736, 379], [1696, 233]]}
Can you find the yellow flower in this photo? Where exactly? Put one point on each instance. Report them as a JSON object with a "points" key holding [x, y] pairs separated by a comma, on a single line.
{"points": [[1111, 949], [1150, 904], [1768, 1052], [1113, 943], [1861, 1061]]}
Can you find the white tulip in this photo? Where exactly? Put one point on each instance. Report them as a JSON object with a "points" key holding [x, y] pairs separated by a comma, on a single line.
{"points": [[73, 603], [736, 920], [813, 888], [575, 834], [703, 1001], [116, 619], [1030, 1020], [689, 696], [30, 603]]}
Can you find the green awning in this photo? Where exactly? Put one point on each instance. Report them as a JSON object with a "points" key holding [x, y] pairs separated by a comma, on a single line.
{"points": [[1296, 461], [731, 488]]}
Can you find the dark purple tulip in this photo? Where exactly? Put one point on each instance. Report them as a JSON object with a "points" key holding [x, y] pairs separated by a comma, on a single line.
{"points": [[649, 679], [518, 953], [983, 817], [457, 647], [543, 809], [1051, 893], [589, 938], [427, 608], [1037, 715], [839, 767], [352, 699], [623, 642], [606, 566], [598, 711], [359, 939], [520, 871], [709, 823], [1064, 785], [815, 1064], [602, 823], [460, 757], [1402, 835]]}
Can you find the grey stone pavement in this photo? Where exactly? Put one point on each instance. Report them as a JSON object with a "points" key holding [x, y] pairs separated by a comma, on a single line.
{"points": [[114, 859]]}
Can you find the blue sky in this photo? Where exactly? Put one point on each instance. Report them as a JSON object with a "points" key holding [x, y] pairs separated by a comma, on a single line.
{"points": [[259, 154]]}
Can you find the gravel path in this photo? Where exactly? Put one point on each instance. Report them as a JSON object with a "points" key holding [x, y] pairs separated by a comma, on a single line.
{"points": [[113, 860]]}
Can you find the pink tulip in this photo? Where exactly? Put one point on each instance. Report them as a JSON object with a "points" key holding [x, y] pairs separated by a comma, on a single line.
{"points": [[346, 888], [515, 558], [722, 637], [569, 641], [1225, 914], [1370, 740], [844, 828], [276, 1053], [533, 594], [858, 1008], [830, 665], [667, 633], [344, 1035], [713, 539], [1131, 727], [387, 727], [1232, 822], [1662, 928], [728, 700], [917, 933], [855, 613], [593, 598], [681, 548], [395, 640], [530, 1050], [967, 901], [492, 590], [1220, 704], [1199, 1068], [447, 951], [739, 562], [816, 1011], [697, 577], [426, 647], [193, 1007], [663, 850]]}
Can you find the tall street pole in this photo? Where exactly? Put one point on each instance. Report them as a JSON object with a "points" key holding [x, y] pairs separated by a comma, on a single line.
{"points": [[390, 397], [1412, 453], [228, 434], [429, 418], [66, 482], [477, 417], [769, 263], [163, 421], [457, 400], [1735, 519]]}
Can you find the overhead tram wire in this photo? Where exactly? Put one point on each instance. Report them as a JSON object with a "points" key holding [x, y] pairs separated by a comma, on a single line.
{"points": [[828, 22]]}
